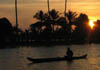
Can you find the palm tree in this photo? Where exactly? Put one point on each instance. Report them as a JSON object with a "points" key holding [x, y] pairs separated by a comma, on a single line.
{"points": [[54, 15], [16, 14], [48, 6], [17, 38], [71, 16], [81, 33], [40, 15], [65, 8]]}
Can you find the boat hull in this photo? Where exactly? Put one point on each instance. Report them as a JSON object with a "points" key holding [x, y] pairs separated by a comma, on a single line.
{"points": [[41, 60]]}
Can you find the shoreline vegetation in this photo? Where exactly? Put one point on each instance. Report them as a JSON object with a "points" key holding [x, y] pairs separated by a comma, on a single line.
{"points": [[51, 29]]}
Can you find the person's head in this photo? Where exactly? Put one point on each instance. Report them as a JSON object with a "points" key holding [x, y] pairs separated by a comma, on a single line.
{"points": [[68, 48]]}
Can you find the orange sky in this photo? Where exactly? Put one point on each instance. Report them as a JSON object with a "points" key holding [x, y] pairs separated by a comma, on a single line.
{"points": [[27, 8]]}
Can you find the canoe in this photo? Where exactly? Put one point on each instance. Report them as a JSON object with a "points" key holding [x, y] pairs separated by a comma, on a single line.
{"points": [[41, 60]]}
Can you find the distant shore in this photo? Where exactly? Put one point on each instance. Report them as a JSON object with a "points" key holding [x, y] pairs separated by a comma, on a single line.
{"points": [[40, 44]]}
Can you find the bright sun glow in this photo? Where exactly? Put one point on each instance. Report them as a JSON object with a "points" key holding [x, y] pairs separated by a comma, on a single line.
{"points": [[91, 23]]}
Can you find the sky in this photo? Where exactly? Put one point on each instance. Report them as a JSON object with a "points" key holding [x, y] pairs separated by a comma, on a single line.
{"points": [[27, 9]]}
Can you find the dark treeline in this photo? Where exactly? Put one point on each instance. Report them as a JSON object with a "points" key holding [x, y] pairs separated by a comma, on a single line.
{"points": [[51, 29]]}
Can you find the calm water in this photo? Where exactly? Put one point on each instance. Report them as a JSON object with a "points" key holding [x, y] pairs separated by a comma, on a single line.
{"points": [[15, 59]]}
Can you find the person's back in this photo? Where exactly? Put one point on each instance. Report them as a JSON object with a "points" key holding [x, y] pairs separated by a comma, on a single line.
{"points": [[69, 53]]}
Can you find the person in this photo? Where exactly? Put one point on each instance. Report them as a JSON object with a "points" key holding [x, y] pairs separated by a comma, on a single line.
{"points": [[69, 53]]}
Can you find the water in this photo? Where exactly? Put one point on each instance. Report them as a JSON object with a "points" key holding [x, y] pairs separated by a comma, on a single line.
{"points": [[15, 59]]}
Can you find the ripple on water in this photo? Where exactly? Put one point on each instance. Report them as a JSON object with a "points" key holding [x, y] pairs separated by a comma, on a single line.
{"points": [[15, 59]]}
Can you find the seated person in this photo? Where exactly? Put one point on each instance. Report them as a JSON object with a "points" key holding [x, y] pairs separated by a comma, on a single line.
{"points": [[69, 53]]}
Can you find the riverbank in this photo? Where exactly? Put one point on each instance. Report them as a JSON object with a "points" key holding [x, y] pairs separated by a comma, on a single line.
{"points": [[41, 43]]}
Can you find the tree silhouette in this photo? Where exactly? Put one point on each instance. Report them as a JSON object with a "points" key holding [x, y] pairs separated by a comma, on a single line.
{"points": [[65, 8], [95, 32], [5, 31], [80, 34], [71, 16], [48, 6], [64, 33], [62, 22], [54, 15], [41, 16], [16, 14]]}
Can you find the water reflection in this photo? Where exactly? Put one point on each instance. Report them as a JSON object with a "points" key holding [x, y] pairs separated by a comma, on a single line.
{"points": [[16, 58]]}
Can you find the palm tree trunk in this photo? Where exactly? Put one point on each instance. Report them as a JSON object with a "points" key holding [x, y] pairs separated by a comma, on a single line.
{"points": [[16, 13], [17, 38], [65, 8], [48, 7]]}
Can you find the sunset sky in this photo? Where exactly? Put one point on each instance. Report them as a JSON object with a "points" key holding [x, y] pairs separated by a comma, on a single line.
{"points": [[27, 8]]}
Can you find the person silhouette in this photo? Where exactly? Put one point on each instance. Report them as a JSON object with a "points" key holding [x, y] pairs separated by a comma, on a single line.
{"points": [[69, 53]]}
